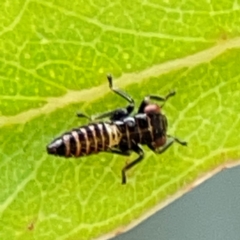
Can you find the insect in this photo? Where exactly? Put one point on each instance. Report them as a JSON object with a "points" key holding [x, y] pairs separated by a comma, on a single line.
{"points": [[122, 133]]}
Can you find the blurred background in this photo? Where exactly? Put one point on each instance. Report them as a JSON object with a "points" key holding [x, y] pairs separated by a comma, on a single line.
{"points": [[209, 212]]}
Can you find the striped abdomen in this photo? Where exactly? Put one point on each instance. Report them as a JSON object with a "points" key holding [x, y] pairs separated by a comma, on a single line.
{"points": [[85, 140]]}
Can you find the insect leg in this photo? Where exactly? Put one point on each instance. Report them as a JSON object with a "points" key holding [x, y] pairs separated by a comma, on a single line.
{"points": [[116, 114], [184, 143], [123, 94], [171, 140], [136, 148], [117, 151], [82, 115], [162, 99], [145, 102]]}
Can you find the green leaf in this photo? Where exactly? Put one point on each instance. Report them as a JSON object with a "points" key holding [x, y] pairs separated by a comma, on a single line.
{"points": [[54, 59]]}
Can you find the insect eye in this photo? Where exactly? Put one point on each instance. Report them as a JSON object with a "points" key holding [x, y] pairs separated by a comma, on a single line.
{"points": [[152, 108]]}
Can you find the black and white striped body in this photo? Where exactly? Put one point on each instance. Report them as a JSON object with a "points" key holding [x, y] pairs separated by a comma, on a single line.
{"points": [[121, 135], [85, 140]]}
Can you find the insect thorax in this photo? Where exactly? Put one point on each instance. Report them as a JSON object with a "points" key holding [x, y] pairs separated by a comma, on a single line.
{"points": [[141, 128]]}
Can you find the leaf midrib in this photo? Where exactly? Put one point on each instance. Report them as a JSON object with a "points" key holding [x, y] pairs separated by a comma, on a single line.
{"points": [[72, 96]]}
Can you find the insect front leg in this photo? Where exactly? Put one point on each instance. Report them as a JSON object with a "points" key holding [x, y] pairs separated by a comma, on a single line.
{"points": [[136, 148], [145, 101], [169, 143]]}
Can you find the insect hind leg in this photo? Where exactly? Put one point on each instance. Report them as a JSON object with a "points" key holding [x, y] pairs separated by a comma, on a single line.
{"points": [[145, 101], [123, 112], [116, 114]]}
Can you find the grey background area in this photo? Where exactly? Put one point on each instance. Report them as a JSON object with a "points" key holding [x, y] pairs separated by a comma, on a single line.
{"points": [[209, 212]]}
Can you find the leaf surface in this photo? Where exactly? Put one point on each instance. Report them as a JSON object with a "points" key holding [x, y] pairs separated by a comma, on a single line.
{"points": [[54, 59]]}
